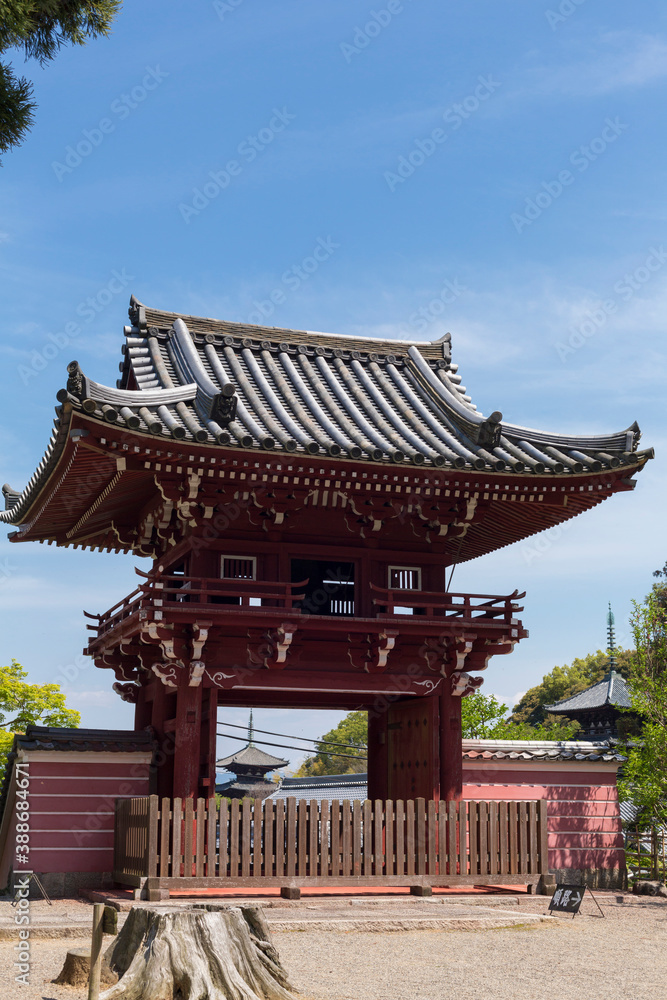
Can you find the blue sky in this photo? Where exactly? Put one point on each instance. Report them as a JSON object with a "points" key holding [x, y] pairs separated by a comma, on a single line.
{"points": [[492, 169]]}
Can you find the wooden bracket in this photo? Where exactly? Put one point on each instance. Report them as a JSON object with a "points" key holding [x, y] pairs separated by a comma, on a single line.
{"points": [[463, 684]]}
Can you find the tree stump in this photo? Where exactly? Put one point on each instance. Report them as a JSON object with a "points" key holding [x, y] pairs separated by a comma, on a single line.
{"points": [[76, 970], [208, 951]]}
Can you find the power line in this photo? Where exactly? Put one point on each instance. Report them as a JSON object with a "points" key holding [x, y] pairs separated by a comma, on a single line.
{"points": [[285, 746], [305, 739]]}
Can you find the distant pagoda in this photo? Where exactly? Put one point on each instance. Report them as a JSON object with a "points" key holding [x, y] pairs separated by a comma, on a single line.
{"points": [[597, 709], [250, 765]]}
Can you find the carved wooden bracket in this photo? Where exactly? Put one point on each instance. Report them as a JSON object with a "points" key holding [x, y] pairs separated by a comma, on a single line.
{"points": [[127, 692], [269, 649], [370, 653], [463, 684], [196, 673]]}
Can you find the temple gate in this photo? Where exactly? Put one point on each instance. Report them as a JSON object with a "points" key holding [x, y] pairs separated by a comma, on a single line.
{"points": [[304, 499]]}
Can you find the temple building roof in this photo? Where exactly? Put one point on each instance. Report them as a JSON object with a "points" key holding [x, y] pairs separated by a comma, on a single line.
{"points": [[610, 691], [203, 391], [251, 756]]}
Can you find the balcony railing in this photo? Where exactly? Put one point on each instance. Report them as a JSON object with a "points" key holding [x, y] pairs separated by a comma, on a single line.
{"points": [[175, 591], [467, 607], [256, 597]]}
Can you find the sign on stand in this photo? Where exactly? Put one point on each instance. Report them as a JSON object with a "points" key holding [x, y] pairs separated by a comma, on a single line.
{"points": [[568, 899]]}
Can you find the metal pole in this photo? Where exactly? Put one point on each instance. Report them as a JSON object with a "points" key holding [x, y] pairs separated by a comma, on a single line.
{"points": [[96, 952]]}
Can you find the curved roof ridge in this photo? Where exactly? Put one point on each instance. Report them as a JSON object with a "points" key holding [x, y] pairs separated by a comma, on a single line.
{"points": [[596, 695], [147, 315]]}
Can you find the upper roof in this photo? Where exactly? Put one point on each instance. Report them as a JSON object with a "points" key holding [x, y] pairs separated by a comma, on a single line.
{"points": [[265, 389], [611, 690], [251, 756]]}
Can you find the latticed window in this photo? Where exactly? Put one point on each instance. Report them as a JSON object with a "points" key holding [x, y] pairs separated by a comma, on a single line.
{"points": [[405, 578], [239, 567]]}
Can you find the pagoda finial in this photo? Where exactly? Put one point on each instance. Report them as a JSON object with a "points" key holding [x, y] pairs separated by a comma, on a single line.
{"points": [[250, 730], [611, 638]]}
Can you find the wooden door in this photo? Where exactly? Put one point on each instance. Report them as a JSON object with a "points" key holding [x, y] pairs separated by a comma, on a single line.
{"points": [[413, 749]]}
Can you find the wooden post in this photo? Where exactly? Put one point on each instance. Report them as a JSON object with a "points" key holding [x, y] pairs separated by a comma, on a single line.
{"points": [[96, 951], [378, 758], [187, 740], [451, 751]]}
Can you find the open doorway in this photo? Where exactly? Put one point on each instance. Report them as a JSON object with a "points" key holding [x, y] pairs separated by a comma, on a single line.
{"points": [[330, 587]]}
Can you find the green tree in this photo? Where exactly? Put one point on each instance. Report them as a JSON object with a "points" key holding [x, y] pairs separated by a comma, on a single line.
{"points": [[483, 717], [352, 731], [562, 682], [22, 704], [644, 779], [39, 28]]}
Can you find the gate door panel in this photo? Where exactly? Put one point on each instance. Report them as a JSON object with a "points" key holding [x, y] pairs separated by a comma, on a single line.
{"points": [[413, 749]]}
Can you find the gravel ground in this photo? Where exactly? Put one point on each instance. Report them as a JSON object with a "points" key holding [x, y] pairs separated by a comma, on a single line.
{"points": [[623, 955]]}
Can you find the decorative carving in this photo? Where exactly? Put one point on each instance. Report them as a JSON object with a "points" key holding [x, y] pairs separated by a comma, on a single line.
{"points": [[370, 653], [197, 668], [463, 647], [269, 649], [219, 678], [127, 692], [167, 673], [430, 687], [77, 383], [199, 636], [463, 684], [223, 406]]}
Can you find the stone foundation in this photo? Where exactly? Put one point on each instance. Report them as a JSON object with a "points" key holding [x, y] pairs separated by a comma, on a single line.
{"points": [[593, 878], [60, 884]]}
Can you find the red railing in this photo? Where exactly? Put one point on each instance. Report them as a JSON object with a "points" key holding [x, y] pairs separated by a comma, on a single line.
{"points": [[175, 591], [466, 607], [257, 596]]}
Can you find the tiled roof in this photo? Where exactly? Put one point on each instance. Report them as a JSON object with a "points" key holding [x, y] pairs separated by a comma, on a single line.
{"points": [[84, 740], [611, 690], [540, 751], [251, 756], [325, 788], [292, 391]]}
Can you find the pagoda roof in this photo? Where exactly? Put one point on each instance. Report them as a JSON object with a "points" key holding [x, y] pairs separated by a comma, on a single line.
{"points": [[213, 388], [251, 756], [611, 690]]}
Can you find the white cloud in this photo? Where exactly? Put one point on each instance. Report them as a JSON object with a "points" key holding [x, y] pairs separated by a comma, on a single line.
{"points": [[616, 60]]}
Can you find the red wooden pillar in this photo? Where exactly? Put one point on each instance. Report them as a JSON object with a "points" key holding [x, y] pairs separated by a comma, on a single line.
{"points": [[208, 742], [143, 708], [378, 758], [451, 749], [187, 739]]}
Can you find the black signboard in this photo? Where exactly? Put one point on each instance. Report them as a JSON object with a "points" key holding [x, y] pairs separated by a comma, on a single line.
{"points": [[567, 898]]}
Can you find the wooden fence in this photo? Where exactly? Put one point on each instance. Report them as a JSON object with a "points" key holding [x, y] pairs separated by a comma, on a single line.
{"points": [[192, 844]]}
